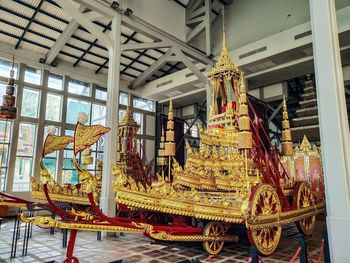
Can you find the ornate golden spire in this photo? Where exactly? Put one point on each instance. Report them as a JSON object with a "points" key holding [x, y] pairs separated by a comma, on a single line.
{"points": [[170, 134], [224, 66], [161, 152], [287, 144], [244, 135]]}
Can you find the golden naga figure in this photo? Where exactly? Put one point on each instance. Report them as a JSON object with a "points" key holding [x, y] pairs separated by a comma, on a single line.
{"points": [[235, 177], [85, 137]]}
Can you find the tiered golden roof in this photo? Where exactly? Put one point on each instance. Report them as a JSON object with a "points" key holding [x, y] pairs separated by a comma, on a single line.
{"points": [[287, 144], [224, 67]]}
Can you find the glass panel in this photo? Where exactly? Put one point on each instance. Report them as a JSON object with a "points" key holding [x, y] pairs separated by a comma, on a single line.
{"points": [[123, 98], [30, 103], [50, 160], [26, 139], [101, 93], [69, 173], [79, 87], [98, 114], [70, 177], [51, 165], [5, 131], [53, 107], [5, 68], [75, 106], [23, 171], [32, 75], [24, 159], [143, 104], [55, 81], [121, 115], [139, 119], [2, 92]]}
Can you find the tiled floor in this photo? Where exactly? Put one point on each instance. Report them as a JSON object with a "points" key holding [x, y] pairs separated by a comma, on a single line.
{"points": [[134, 248]]}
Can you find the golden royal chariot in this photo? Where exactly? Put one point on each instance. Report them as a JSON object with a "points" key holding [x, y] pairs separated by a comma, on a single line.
{"points": [[236, 177]]}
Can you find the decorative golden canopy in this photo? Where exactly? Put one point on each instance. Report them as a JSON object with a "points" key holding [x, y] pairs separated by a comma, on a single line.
{"points": [[225, 67]]}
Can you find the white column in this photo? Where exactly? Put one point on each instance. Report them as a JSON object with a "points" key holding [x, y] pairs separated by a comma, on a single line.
{"points": [[107, 201], [334, 129]]}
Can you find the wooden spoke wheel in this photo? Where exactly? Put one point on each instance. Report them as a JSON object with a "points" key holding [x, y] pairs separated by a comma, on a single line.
{"points": [[304, 197], [264, 201], [214, 229]]}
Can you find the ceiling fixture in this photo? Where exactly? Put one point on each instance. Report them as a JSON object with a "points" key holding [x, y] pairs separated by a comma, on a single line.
{"points": [[116, 6]]}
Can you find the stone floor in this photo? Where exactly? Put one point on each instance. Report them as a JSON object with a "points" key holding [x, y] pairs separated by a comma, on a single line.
{"points": [[134, 248]]}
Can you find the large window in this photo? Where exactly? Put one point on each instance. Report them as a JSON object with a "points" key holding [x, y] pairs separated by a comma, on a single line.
{"points": [[63, 101], [79, 87], [30, 103], [5, 67], [32, 75], [24, 157]]}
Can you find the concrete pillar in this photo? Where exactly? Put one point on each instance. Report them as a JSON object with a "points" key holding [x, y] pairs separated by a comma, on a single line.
{"points": [[334, 129], [107, 201]]}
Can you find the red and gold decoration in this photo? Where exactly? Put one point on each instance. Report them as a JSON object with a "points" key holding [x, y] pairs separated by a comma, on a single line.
{"points": [[236, 177]]}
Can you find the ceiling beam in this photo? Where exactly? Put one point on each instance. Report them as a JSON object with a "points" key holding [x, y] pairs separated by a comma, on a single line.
{"points": [[188, 63], [147, 45], [67, 34], [152, 69], [29, 23], [91, 45], [99, 7], [68, 6], [156, 34], [183, 95]]}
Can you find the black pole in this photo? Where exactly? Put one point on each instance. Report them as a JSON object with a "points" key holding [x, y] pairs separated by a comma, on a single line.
{"points": [[303, 253], [326, 254], [254, 254]]}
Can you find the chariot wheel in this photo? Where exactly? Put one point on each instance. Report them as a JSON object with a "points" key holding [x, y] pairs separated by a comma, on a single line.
{"points": [[214, 229], [264, 201], [304, 197]]}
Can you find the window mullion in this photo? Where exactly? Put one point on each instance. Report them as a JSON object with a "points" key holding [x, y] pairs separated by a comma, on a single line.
{"points": [[41, 125]]}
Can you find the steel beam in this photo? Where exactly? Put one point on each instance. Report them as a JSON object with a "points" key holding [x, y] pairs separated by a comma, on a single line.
{"points": [[188, 63], [99, 7], [141, 46], [67, 34], [85, 22], [184, 95], [155, 33], [153, 68], [275, 112]]}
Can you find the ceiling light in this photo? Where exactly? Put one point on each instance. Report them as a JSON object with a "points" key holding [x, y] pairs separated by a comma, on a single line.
{"points": [[115, 5], [128, 12]]}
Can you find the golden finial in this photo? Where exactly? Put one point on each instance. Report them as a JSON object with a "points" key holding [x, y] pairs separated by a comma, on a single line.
{"points": [[224, 66], [170, 134], [287, 144], [223, 27], [245, 134]]}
